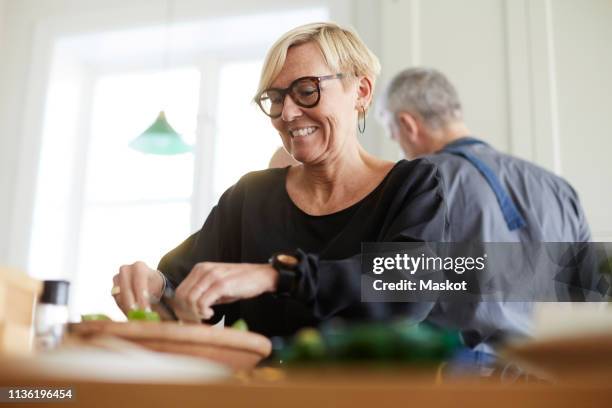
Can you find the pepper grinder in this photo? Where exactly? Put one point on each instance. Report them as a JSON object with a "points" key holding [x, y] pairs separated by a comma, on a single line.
{"points": [[51, 314]]}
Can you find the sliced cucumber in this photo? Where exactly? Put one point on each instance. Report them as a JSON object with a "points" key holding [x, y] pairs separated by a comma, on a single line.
{"points": [[94, 317], [143, 315]]}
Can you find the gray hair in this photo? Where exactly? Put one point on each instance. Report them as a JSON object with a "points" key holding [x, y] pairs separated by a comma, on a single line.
{"points": [[425, 92]]}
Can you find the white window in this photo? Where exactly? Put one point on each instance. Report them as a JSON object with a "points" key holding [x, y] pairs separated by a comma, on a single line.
{"points": [[135, 206], [245, 139], [100, 204]]}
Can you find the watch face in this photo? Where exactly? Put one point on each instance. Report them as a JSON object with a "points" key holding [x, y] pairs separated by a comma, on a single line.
{"points": [[288, 260]]}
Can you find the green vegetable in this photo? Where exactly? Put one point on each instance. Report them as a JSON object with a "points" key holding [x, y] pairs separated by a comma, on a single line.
{"points": [[94, 317], [143, 315], [240, 325], [309, 344], [391, 342]]}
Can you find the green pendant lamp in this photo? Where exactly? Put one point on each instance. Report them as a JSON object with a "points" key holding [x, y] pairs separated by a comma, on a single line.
{"points": [[161, 139]]}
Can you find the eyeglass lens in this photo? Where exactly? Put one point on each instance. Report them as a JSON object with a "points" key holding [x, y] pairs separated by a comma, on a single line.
{"points": [[304, 92]]}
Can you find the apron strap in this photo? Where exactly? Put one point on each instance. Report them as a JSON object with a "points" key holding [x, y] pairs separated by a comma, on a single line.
{"points": [[513, 218]]}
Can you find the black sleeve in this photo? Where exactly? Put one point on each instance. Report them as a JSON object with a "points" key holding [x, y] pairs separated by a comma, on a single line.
{"points": [[330, 288]]}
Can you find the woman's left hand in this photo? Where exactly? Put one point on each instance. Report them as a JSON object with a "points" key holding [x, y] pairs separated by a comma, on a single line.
{"points": [[211, 283]]}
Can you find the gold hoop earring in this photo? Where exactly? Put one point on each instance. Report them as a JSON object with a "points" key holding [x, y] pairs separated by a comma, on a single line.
{"points": [[361, 124]]}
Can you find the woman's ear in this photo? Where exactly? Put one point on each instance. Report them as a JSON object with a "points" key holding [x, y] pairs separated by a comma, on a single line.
{"points": [[364, 92]]}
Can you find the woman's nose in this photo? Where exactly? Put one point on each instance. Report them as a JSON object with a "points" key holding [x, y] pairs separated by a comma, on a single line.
{"points": [[290, 109]]}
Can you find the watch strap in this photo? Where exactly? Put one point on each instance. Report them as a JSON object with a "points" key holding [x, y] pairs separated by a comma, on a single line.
{"points": [[288, 272]]}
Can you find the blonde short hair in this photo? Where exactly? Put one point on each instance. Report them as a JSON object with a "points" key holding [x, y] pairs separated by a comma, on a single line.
{"points": [[342, 49]]}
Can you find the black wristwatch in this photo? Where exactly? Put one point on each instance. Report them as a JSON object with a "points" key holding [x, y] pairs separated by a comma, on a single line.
{"points": [[286, 264]]}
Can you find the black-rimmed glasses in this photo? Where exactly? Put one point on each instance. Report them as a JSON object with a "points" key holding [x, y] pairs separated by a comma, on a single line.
{"points": [[305, 92]]}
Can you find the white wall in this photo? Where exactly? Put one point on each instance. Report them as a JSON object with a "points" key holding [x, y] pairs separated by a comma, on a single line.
{"points": [[534, 77], [8, 138], [468, 41], [4, 203], [5, 168], [583, 51], [448, 35], [2, 5]]}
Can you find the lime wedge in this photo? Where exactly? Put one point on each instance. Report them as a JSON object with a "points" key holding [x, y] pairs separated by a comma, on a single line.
{"points": [[240, 325]]}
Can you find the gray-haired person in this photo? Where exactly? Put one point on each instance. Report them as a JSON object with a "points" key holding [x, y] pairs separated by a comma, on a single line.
{"points": [[492, 196]]}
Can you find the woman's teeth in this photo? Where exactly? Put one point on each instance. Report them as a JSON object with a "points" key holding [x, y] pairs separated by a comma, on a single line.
{"points": [[302, 131]]}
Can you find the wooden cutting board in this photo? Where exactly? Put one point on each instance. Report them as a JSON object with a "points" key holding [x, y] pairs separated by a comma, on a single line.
{"points": [[233, 348], [567, 356]]}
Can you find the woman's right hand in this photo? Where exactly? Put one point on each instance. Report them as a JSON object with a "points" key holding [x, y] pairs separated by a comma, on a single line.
{"points": [[139, 286]]}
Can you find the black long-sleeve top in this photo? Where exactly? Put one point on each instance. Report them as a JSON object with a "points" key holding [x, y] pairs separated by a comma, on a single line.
{"points": [[256, 218]]}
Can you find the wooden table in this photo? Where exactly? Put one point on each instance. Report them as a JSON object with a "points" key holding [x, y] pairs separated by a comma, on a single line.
{"points": [[338, 388]]}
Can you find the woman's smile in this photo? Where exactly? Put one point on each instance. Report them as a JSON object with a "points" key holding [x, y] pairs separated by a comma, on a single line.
{"points": [[302, 131]]}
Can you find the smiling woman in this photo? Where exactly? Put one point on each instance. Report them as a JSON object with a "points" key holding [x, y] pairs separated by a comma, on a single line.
{"points": [[281, 249]]}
